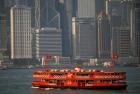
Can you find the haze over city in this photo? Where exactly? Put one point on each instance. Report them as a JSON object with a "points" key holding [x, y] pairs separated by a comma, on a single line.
{"points": [[69, 46], [83, 32]]}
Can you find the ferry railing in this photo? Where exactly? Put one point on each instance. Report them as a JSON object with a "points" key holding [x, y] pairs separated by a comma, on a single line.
{"points": [[110, 76]]}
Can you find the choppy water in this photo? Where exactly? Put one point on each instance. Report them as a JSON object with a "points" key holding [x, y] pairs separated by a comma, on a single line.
{"points": [[18, 81]]}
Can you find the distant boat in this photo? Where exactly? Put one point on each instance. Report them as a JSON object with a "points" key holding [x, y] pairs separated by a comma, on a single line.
{"points": [[3, 67], [30, 66]]}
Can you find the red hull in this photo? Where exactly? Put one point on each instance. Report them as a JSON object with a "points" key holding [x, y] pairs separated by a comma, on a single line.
{"points": [[79, 79], [94, 86]]}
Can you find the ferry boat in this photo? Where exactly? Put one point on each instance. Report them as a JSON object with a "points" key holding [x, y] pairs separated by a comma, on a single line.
{"points": [[79, 78]]}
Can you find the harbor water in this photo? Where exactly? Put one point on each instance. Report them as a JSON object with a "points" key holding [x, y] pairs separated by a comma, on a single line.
{"points": [[18, 81]]}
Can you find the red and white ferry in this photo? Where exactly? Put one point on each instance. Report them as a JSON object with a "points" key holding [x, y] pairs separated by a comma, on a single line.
{"points": [[79, 78]]}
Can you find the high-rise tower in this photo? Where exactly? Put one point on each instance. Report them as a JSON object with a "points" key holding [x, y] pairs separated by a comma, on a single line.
{"points": [[2, 26], [64, 7], [84, 38], [48, 18], [20, 34], [104, 38], [135, 30], [84, 30], [3, 33]]}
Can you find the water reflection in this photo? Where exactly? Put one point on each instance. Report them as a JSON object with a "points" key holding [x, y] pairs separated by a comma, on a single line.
{"points": [[18, 81]]}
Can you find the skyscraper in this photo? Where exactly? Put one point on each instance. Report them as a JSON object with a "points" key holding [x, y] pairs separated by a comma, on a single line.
{"points": [[88, 10], [2, 7], [115, 13], [64, 7], [99, 6], [104, 38], [49, 42], [20, 34], [84, 31], [8, 4], [84, 38], [48, 18], [124, 42], [125, 12], [3, 33], [2, 26], [135, 27], [115, 20]]}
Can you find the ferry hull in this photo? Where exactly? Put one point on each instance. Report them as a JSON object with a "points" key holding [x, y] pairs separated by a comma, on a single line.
{"points": [[79, 79], [95, 86]]}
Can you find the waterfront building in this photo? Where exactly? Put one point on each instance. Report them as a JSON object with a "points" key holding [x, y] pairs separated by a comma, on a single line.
{"points": [[48, 42], [84, 38], [56, 14], [135, 29], [115, 17], [3, 39], [47, 18], [4, 58], [104, 36], [121, 41], [3, 32], [20, 32], [124, 43], [64, 7], [84, 30], [115, 41], [2, 26]]}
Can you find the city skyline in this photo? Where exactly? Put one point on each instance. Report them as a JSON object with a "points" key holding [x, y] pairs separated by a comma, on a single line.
{"points": [[92, 31]]}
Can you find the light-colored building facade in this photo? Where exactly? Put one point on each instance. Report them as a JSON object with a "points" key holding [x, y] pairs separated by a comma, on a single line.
{"points": [[48, 42], [84, 33], [86, 8], [20, 33], [84, 38]]}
